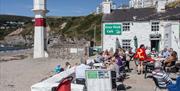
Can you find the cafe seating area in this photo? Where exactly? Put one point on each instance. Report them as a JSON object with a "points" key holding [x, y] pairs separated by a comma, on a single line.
{"points": [[118, 67]]}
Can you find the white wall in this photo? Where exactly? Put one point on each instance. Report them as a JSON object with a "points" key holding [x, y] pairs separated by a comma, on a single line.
{"points": [[142, 30], [139, 29], [109, 41], [175, 38]]}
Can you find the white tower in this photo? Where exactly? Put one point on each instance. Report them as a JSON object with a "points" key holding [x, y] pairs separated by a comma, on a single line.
{"points": [[106, 7], [39, 30], [160, 6]]}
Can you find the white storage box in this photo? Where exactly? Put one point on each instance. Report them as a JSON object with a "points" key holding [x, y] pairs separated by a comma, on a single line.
{"points": [[77, 87]]}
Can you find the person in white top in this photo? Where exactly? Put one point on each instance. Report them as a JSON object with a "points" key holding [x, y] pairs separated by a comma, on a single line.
{"points": [[80, 72]]}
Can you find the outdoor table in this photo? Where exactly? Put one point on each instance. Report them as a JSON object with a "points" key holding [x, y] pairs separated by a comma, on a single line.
{"points": [[98, 65], [159, 59]]}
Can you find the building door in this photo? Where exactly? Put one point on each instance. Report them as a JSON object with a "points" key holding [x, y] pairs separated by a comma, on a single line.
{"points": [[155, 44]]}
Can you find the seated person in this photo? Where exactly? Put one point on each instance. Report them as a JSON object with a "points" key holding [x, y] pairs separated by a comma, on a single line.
{"points": [[99, 58], [149, 59], [149, 64], [171, 60], [154, 52], [165, 53], [118, 59], [106, 55], [161, 76], [113, 66], [58, 69], [80, 72], [67, 65]]}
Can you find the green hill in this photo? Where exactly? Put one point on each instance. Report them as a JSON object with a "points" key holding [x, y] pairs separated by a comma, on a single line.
{"points": [[9, 23], [78, 27], [174, 4]]}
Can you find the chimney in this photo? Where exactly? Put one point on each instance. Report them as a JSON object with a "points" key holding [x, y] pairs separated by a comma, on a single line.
{"points": [[106, 7], [160, 6]]}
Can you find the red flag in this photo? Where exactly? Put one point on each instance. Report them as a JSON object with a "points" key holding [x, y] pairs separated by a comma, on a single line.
{"points": [[140, 54]]}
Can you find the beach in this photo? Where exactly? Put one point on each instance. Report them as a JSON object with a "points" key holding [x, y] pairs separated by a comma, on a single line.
{"points": [[19, 75]]}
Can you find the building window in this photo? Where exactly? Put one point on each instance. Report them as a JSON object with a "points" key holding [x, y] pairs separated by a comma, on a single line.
{"points": [[126, 26], [126, 44], [155, 26]]}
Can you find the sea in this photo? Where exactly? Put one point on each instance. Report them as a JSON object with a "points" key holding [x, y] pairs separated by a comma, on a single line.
{"points": [[11, 48]]}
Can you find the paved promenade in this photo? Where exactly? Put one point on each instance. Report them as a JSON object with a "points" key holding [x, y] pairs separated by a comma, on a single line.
{"points": [[19, 75], [136, 82]]}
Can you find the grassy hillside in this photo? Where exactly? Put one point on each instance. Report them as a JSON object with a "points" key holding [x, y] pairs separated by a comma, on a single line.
{"points": [[174, 4], [72, 27], [9, 23], [79, 27], [5, 18]]}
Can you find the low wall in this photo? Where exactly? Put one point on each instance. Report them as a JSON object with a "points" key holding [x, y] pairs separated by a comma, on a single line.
{"points": [[66, 53]]}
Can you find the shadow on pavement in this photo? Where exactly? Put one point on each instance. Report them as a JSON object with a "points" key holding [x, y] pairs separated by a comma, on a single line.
{"points": [[123, 87]]}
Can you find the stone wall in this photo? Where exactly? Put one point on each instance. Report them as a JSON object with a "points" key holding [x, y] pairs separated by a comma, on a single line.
{"points": [[67, 52]]}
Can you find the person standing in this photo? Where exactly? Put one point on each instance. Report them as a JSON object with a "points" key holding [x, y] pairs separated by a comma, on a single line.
{"points": [[141, 56], [80, 72]]}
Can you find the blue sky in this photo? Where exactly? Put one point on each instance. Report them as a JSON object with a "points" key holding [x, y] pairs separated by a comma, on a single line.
{"points": [[56, 7]]}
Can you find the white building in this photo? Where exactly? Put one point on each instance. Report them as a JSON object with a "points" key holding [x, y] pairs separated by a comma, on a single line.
{"points": [[104, 7], [155, 28], [146, 3]]}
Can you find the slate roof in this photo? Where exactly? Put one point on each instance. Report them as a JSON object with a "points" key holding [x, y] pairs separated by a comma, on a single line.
{"points": [[141, 14]]}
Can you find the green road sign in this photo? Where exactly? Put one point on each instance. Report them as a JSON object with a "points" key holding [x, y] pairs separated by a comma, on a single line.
{"points": [[112, 29]]}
